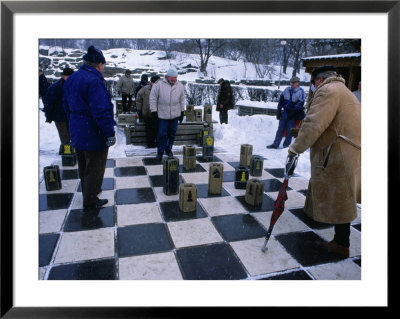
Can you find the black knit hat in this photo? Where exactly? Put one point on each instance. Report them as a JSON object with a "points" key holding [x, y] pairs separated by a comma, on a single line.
{"points": [[67, 71], [154, 79], [144, 78], [94, 55], [220, 80]]}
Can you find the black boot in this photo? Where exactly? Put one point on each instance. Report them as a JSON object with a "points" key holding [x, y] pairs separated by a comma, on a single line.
{"points": [[159, 156], [272, 146], [169, 153]]}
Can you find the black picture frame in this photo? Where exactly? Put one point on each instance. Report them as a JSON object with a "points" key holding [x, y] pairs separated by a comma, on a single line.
{"points": [[9, 8]]}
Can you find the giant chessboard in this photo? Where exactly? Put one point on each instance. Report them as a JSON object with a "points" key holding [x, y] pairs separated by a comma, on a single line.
{"points": [[142, 234]]}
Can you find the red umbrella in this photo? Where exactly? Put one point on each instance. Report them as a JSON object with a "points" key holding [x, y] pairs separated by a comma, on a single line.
{"points": [[279, 204]]}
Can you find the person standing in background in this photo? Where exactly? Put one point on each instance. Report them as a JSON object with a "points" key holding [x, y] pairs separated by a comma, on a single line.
{"points": [[225, 100], [167, 104], [87, 104], [143, 108], [292, 102], [43, 85], [357, 92], [53, 107], [126, 87]]}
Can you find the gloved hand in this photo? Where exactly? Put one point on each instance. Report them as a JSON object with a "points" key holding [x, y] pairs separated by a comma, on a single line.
{"points": [[291, 154], [181, 117], [154, 115], [278, 115], [110, 141]]}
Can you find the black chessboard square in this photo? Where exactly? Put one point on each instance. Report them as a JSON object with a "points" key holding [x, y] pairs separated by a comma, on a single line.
{"points": [[198, 169], [210, 262], [228, 176], [157, 180], [107, 184], [67, 174], [143, 239], [151, 161], [267, 204], [303, 248], [79, 220], [172, 212], [202, 192], [129, 171], [135, 196], [238, 227], [90, 270], [54, 201], [273, 185], [293, 275], [300, 214], [47, 243], [201, 160], [110, 163]]}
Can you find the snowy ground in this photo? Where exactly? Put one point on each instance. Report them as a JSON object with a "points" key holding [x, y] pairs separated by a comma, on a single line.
{"points": [[257, 130]]}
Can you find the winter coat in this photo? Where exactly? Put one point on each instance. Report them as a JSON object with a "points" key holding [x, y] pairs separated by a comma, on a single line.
{"points": [[143, 101], [292, 103], [43, 86], [53, 105], [168, 100], [225, 97], [141, 84], [332, 128], [125, 85], [87, 104]]}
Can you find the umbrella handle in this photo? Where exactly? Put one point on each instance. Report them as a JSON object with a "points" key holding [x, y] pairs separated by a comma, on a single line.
{"points": [[291, 163]]}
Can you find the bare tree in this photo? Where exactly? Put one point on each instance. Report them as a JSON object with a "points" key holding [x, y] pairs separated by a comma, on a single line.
{"points": [[207, 48]]}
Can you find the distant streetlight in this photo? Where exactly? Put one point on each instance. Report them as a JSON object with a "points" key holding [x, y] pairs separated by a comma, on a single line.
{"points": [[283, 43]]}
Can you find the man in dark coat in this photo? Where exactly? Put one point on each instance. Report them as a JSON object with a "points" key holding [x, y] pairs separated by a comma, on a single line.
{"points": [[43, 85], [224, 101], [144, 80], [291, 102], [88, 107], [53, 107]]}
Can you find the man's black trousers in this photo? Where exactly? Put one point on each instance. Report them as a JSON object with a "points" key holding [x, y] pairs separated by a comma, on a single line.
{"points": [[91, 167]]}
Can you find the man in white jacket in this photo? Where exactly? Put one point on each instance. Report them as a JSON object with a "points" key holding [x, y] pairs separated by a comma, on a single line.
{"points": [[167, 103]]}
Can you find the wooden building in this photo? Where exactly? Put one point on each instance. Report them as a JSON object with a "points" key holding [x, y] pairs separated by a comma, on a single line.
{"points": [[348, 65]]}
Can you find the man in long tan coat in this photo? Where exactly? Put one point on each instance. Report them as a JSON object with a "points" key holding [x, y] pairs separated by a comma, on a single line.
{"points": [[332, 129]]}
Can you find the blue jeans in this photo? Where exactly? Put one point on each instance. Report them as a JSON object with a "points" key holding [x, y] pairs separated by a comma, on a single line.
{"points": [[166, 134], [284, 124]]}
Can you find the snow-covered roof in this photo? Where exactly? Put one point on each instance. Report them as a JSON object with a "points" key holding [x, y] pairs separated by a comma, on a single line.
{"points": [[335, 56]]}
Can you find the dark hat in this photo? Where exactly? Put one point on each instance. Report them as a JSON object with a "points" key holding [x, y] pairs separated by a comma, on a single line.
{"points": [[322, 69], [220, 80], [294, 79], [154, 79], [94, 55], [128, 72], [67, 71], [144, 78]]}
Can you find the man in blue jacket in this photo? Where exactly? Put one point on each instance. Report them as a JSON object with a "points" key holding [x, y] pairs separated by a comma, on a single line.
{"points": [[53, 107], [292, 103], [88, 107]]}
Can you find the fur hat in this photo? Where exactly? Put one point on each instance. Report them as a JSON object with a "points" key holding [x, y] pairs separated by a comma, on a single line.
{"points": [[172, 72], [154, 79], [67, 71], [94, 55], [294, 79], [322, 69]]}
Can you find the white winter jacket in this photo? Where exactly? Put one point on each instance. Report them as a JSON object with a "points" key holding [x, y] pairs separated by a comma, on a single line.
{"points": [[167, 100]]}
